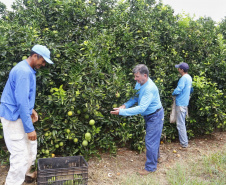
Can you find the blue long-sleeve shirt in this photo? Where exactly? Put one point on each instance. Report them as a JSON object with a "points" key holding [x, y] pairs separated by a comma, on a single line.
{"points": [[148, 100], [18, 97], [183, 90]]}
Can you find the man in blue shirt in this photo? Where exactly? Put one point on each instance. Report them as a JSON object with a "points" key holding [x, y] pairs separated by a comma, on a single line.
{"points": [[18, 115], [150, 107], [182, 93]]}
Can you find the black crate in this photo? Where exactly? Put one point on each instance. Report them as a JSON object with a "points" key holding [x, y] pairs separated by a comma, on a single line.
{"points": [[62, 171]]}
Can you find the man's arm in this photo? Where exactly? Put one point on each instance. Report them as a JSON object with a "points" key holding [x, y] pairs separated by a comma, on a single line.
{"points": [[146, 99], [22, 88], [179, 88], [131, 102]]}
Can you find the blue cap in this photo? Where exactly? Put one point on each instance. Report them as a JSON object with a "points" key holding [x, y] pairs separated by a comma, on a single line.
{"points": [[182, 65], [43, 51]]}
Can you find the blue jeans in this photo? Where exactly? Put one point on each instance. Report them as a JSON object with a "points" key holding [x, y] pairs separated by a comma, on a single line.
{"points": [[154, 124], [181, 115]]}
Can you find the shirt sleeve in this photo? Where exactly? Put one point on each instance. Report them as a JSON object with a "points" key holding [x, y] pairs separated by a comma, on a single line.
{"points": [[179, 88], [145, 101], [131, 102], [22, 88]]}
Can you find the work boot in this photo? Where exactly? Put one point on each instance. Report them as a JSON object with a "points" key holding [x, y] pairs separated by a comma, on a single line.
{"points": [[30, 177], [144, 172]]}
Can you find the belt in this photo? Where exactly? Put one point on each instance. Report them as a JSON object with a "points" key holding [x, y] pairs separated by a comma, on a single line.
{"points": [[154, 112]]}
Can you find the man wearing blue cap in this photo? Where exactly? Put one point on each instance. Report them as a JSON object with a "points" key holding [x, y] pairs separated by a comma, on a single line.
{"points": [[18, 115], [182, 93]]}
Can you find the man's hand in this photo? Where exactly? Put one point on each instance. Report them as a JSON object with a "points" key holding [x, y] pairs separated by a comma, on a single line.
{"points": [[34, 116], [116, 111], [32, 136], [122, 107]]}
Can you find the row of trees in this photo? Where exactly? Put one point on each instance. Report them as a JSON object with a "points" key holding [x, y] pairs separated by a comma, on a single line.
{"points": [[95, 44]]}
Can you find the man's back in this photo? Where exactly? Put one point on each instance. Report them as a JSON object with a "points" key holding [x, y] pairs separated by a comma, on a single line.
{"points": [[182, 92]]}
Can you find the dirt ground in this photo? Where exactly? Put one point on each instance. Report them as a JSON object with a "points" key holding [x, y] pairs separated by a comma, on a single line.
{"points": [[110, 169]]}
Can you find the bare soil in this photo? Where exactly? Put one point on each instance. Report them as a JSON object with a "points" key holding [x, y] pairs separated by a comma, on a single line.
{"points": [[110, 169]]}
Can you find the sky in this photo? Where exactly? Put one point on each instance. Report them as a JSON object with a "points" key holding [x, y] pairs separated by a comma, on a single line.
{"points": [[216, 9]]}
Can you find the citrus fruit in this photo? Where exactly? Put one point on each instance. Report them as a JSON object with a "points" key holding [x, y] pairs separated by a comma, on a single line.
{"points": [[85, 143], [68, 131], [53, 155], [70, 113], [117, 95], [46, 134], [85, 110], [61, 143], [56, 146], [47, 152], [86, 116], [91, 122], [75, 140], [24, 57], [78, 112], [115, 105], [88, 136]]}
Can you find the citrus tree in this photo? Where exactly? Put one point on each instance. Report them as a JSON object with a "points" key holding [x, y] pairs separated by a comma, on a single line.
{"points": [[95, 45]]}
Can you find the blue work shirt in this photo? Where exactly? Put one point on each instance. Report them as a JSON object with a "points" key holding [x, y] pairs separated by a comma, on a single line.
{"points": [[183, 90], [18, 97], [148, 100]]}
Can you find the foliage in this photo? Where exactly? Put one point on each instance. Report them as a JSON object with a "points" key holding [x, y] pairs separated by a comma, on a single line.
{"points": [[94, 45]]}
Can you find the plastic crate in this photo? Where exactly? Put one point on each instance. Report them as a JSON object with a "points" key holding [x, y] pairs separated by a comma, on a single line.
{"points": [[63, 171]]}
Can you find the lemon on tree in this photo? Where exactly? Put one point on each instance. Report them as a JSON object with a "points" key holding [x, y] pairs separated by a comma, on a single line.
{"points": [[115, 105], [88, 136], [70, 113], [91, 122], [24, 57], [75, 140], [86, 116], [117, 95], [85, 143], [61, 143]]}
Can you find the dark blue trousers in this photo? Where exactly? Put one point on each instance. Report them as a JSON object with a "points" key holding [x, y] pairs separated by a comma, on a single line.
{"points": [[154, 125]]}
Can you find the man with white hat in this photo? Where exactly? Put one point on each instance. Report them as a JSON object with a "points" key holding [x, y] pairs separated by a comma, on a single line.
{"points": [[182, 93], [18, 115]]}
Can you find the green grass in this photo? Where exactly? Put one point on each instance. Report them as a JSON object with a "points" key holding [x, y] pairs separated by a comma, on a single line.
{"points": [[206, 170], [140, 180], [210, 170]]}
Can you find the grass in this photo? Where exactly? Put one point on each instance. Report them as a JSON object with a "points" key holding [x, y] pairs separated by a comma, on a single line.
{"points": [[209, 170]]}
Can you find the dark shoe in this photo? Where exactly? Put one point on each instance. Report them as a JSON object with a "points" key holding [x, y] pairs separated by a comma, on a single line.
{"points": [[184, 148], [30, 177], [143, 172], [160, 160]]}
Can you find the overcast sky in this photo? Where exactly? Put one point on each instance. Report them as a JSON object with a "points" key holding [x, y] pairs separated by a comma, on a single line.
{"points": [[216, 9]]}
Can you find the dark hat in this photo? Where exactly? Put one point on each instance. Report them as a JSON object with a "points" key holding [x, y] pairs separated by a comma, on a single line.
{"points": [[182, 65]]}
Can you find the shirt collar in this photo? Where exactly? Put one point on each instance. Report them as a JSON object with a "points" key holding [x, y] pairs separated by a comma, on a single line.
{"points": [[32, 70]]}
